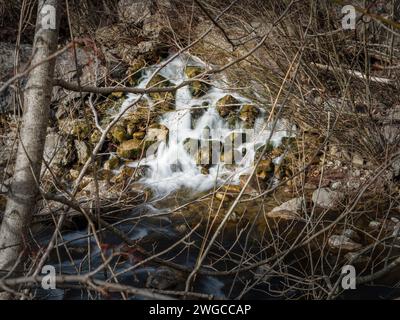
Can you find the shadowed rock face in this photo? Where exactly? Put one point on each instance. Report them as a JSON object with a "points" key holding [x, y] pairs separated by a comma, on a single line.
{"points": [[7, 61]]}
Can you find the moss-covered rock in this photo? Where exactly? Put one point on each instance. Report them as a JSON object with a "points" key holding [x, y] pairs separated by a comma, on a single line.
{"points": [[130, 174], [139, 135], [156, 132], [248, 114], [196, 112], [197, 88], [119, 133], [165, 100], [130, 149], [269, 151], [78, 128], [112, 163], [265, 169], [139, 119], [227, 105], [95, 137], [135, 71]]}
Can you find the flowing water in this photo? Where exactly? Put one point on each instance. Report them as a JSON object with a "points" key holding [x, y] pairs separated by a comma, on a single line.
{"points": [[172, 168]]}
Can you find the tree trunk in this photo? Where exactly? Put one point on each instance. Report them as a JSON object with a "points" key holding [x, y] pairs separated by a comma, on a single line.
{"points": [[23, 190]]}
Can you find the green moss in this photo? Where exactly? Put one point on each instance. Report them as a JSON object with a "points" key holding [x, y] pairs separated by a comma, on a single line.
{"points": [[119, 133], [130, 149]]}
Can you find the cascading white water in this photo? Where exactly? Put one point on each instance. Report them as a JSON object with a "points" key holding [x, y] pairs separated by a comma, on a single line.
{"points": [[172, 167]]}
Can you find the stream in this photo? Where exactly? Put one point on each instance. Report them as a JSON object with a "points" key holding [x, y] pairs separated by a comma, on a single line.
{"points": [[175, 177]]}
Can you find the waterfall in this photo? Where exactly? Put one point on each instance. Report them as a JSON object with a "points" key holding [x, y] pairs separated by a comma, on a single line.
{"points": [[172, 167]]}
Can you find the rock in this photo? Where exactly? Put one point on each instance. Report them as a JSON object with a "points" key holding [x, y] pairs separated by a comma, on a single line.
{"points": [[326, 198], [65, 68], [95, 137], [235, 139], [125, 173], [374, 225], [164, 278], [205, 151], [310, 186], [157, 132], [133, 11], [139, 119], [119, 133], [57, 150], [165, 100], [111, 163], [191, 145], [135, 71], [78, 128], [103, 188], [130, 174], [130, 149], [353, 184], [222, 196], [139, 135], [343, 243], [7, 58], [196, 112], [248, 114], [357, 160], [350, 233], [394, 113], [205, 171], [336, 185], [265, 169], [232, 188], [227, 105], [197, 88], [82, 151], [288, 210], [204, 157]]}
